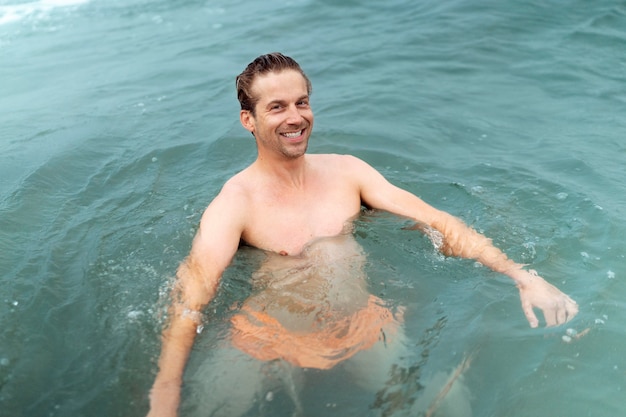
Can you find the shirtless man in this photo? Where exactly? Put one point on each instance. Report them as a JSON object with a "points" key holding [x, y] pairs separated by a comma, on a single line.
{"points": [[298, 208]]}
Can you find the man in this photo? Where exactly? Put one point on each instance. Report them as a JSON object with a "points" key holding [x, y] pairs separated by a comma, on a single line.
{"points": [[311, 309]]}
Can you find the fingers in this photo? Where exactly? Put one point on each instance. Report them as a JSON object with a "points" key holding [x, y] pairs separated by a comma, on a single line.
{"points": [[572, 307], [555, 315], [570, 310], [527, 307], [551, 317], [557, 307], [561, 313]]}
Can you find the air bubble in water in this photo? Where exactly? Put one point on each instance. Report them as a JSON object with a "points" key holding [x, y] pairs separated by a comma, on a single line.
{"points": [[135, 314], [531, 248]]}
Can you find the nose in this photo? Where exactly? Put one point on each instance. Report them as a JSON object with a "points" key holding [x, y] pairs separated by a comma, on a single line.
{"points": [[294, 117]]}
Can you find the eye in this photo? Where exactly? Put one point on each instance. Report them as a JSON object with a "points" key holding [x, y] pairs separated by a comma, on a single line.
{"points": [[303, 103]]}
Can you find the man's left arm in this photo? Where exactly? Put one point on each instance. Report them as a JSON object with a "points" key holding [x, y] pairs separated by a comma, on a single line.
{"points": [[457, 239]]}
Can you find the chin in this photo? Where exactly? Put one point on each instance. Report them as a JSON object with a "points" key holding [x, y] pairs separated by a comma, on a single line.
{"points": [[296, 151]]}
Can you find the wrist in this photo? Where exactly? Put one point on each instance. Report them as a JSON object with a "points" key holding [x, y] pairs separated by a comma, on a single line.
{"points": [[522, 277]]}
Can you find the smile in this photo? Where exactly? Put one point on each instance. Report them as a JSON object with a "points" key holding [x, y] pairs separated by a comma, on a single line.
{"points": [[292, 134]]}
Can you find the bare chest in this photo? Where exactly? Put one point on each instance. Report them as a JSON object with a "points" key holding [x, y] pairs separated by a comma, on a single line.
{"points": [[285, 223]]}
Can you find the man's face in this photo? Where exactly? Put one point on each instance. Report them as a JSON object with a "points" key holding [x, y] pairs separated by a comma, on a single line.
{"points": [[283, 119]]}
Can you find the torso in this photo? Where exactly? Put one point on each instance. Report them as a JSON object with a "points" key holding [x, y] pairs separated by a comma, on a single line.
{"points": [[323, 284], [285, 220], [314, 269]]}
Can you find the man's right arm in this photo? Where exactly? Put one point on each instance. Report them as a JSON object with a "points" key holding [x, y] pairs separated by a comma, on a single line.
{"points": [[196, 283], [457, 239]]}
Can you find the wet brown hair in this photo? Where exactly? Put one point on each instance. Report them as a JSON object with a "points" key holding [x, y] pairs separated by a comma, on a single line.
{"points": [[264, 64]]}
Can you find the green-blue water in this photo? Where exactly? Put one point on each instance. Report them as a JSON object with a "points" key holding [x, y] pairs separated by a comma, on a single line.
{"points": [[119, 123]]}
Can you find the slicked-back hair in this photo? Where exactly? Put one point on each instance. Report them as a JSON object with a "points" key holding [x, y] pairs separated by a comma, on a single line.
{"points": [[264, 64]]}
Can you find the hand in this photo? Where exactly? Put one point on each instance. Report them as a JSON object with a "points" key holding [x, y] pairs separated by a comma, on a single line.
{"points": [[535, 292], [164, 400]]}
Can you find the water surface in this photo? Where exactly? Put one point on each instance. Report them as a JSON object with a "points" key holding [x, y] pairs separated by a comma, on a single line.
{"points": [[119, 125]]}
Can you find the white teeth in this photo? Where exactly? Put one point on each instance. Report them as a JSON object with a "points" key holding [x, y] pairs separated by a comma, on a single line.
{"points": [[292, 134]]}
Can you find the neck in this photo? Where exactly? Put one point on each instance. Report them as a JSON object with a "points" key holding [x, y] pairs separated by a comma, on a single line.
{"points": [[286, 172]]}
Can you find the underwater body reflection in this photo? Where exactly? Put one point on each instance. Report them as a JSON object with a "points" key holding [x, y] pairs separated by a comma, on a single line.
{"points": [[307, 328]]}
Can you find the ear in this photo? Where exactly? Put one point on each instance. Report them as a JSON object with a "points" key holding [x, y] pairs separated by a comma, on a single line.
{"points": [[247, 120]]}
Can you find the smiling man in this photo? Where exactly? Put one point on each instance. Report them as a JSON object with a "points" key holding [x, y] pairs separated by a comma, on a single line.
{"points": [[310, 307]]}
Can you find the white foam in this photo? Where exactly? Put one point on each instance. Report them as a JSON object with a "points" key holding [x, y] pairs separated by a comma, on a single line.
{"points": [[10, 14], [62, 3], [17, 12]]}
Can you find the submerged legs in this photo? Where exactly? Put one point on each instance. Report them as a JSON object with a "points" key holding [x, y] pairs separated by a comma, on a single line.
{"points": [[230, 383], [385, 380]]}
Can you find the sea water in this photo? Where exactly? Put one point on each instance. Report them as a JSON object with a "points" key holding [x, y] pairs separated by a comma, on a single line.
{"points": [[119, 125]]}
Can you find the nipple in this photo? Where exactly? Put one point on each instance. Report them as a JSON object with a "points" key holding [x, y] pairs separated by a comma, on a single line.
{"points": [[283, 253]]}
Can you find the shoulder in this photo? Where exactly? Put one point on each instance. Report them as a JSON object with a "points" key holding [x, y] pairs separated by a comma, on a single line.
{"points": [[347, 169], [367, 179], [230, 205], [352, 169], [220, 229], [343, 162], [236, 189]]}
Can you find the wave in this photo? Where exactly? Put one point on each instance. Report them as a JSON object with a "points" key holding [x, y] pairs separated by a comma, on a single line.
{"points": [[16, 12]]}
